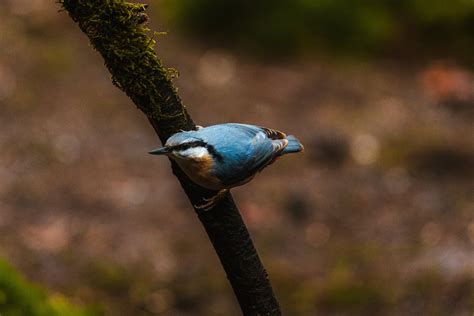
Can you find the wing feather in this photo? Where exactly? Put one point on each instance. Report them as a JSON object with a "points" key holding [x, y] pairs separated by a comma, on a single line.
{"points": [[262, 146], [279, 145], [273, 133]]}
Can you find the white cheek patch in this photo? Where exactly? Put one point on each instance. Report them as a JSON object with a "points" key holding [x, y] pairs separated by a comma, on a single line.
{"points": [[195, 152]]}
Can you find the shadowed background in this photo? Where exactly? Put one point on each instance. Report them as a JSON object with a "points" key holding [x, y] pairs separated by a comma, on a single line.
{"points": [[376, 218]]}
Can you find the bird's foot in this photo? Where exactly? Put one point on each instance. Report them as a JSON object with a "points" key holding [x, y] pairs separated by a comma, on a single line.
{"points": [[210, 202]]}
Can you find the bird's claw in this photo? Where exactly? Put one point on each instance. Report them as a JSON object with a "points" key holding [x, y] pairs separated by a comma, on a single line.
{"points": [[209, 203]]}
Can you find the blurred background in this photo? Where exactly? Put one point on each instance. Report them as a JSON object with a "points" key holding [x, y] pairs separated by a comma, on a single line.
{"points": [[375, 218]]}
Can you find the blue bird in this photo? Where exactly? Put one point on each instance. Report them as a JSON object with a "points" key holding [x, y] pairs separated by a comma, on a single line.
{"points": [[223, 156]]}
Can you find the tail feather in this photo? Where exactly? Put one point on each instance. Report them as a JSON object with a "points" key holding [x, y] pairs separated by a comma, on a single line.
{"points": [[294, 145]]}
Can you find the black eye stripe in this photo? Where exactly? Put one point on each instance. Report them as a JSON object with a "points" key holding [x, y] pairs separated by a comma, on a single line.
{"points": [[214, 153], [200, 143], [197, 143]]}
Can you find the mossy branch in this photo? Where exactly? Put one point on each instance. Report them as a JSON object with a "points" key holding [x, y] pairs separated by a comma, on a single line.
{"points": [[117, 31]]}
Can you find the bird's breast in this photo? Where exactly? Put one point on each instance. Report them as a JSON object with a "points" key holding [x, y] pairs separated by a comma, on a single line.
{"points": [[201, 172]]}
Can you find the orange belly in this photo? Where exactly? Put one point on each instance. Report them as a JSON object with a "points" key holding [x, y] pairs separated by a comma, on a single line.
{"points": [[199, 171]]}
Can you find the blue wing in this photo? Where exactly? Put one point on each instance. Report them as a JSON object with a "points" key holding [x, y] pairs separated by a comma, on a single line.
{"points": [[245, 149]]}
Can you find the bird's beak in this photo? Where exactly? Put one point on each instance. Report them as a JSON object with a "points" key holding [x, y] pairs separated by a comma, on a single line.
{"points": [[160, 151]]}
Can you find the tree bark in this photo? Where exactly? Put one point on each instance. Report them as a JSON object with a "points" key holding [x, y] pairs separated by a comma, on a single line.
{"points": [[116, 30]]}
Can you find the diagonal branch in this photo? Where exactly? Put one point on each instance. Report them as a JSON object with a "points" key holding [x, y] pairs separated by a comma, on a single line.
{"points": [[115, 29]]}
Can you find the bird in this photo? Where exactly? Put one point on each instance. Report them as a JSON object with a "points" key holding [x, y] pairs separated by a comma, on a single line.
{"points": [[220, 157]]}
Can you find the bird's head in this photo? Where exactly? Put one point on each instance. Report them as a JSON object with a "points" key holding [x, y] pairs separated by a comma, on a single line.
{"points": [[184, 149]]}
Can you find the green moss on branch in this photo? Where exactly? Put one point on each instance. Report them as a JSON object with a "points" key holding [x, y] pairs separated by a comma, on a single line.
{"points": [[117, 31]]}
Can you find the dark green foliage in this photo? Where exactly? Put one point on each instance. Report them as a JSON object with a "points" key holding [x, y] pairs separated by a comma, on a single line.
{"points": [[366, 27], [20, 298]]}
